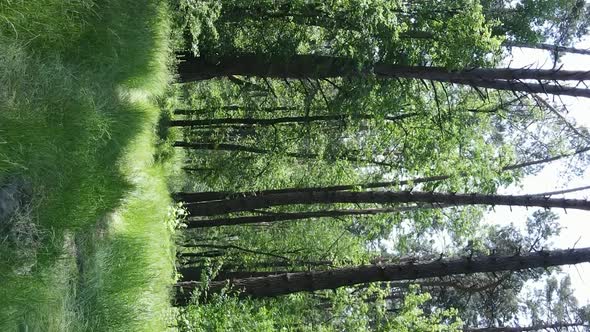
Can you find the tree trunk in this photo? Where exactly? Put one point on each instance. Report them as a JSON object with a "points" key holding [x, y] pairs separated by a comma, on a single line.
{"points": [[289, 283], [220, 195], [540, 327], [282, 264], [317, 66], [194, 273], [546, 160], [549, 47], [276, 217], [211, 208], [208, 254], [542, 88], [232, 108], [281, 120]]}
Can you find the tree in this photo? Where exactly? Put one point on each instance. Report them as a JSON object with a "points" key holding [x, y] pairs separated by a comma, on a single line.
{"points": [[334, 278], [562, 326], [282, 120], [296, 117], [383, 197], [316, 66]]}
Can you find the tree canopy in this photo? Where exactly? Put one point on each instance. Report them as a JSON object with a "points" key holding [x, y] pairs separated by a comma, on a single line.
{"points": [[325, 139]]}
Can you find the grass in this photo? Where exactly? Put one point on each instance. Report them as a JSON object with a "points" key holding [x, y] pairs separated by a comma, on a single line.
{"points": [[91, 247]]}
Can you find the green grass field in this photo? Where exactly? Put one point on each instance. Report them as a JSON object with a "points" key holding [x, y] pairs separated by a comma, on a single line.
{"points": [[90, 246]]}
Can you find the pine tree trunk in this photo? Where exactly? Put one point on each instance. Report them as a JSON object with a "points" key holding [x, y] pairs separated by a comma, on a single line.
{"points": [[232, 108], [289, 283], [281, 120], [549, 47], [220, 195], [541, 327], [276, 217], [317, 66], [211, 208], [279, 264], [194, 273]]}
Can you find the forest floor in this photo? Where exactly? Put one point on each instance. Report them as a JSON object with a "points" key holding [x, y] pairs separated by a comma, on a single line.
{"points": [[86, 219]]}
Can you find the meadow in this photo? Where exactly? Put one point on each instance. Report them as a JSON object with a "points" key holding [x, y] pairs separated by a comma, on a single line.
{"points": [[87, 222]]}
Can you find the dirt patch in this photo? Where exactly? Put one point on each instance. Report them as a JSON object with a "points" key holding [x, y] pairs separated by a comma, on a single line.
{"points": [[19, 233], [15, 194]]}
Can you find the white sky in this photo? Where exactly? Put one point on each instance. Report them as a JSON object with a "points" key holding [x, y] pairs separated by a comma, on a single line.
{"points": [[575, 224]]}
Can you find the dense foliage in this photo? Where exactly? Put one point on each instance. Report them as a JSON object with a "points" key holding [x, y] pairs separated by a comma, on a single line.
{"points": [[245, 134]]}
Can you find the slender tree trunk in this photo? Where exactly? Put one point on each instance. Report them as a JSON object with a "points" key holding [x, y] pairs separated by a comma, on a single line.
{"points": [[209, 254], [211, 208], [289, 283], [549, 47], [232, 108], [316, 66], [449, 284], [251, 149], [282, 120], [194, 273], [540, 327], [282, 264], [220, 195], [547, 160], [543, 88], [198, 169], [276, 217], [207, 110]]}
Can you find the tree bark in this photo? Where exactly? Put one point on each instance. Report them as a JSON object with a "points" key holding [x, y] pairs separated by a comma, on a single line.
{"points": [[317, 66], [276, 217], [289, 283], [209, 254], [194, 273], [281, 120], [546, 160], [283, 264], [549, 47], [542, 88], [219, 195], [232, 108], [539, 327], [211, 208]]}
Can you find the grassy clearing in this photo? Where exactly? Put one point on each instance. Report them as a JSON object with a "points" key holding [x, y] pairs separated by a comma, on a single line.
{"points": [[90, 246]]}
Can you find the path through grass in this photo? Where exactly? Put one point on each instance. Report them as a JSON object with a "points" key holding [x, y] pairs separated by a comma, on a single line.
{"points": [[89, 247]]}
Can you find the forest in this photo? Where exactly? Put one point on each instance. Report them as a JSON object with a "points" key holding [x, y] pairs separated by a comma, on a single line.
{"points": [[303, 165]]}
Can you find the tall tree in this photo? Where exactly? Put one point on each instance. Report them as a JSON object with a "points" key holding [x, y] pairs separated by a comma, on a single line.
{"points": [[331, 279], [317, 66], [560, 326], [382, 197]]}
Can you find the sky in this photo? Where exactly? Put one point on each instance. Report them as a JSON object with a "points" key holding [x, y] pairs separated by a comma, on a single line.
{"points": [[575, 224]]}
